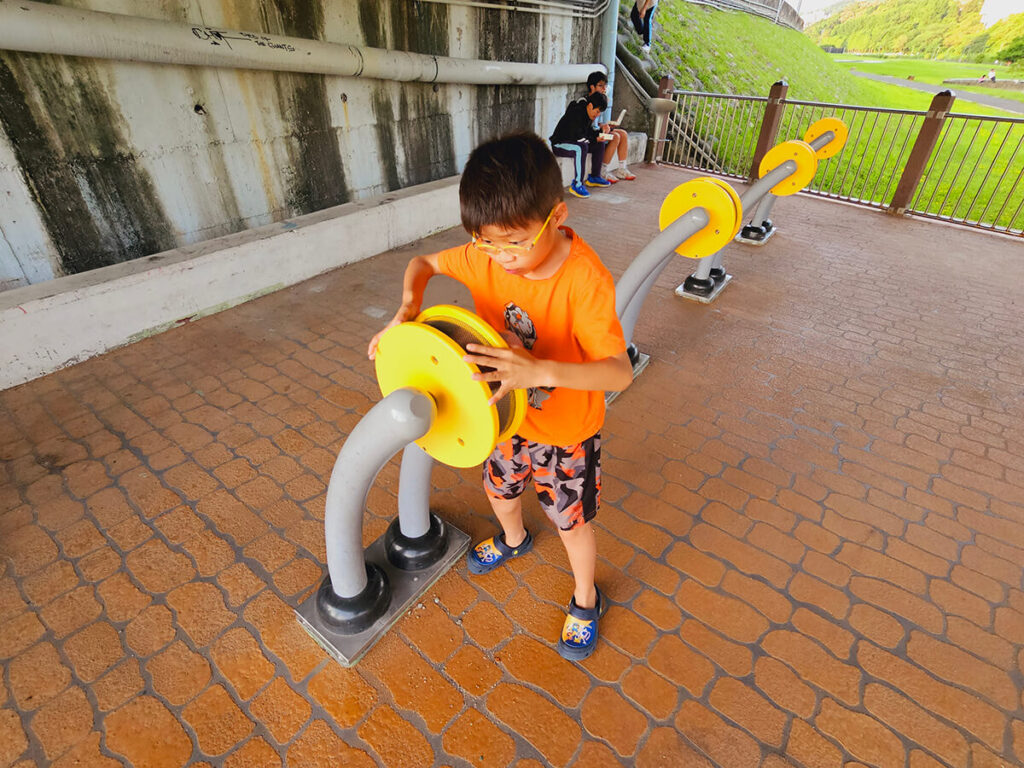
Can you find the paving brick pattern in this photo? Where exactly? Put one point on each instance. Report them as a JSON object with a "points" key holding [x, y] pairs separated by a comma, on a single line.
{"points": [[812, 534]]}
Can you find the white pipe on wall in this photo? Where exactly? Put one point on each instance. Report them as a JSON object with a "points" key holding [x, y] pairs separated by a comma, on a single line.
{"points": [[537, 6], [40, 28]]}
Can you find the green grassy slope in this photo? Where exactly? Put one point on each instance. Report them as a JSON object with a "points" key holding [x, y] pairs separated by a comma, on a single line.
{"points": [[731, 52], [714, 51]]}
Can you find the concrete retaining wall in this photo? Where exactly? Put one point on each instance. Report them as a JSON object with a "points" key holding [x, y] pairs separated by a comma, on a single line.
{"points": [[48, 326], [102, 162]]}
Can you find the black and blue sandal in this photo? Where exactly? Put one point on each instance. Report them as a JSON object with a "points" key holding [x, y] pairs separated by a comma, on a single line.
{"points": [[579, 632], [492, 552]]}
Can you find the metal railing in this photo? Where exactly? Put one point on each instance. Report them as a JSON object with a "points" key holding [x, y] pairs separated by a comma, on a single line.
{"points": [[779, 11], [966, 169], [976, 174]]}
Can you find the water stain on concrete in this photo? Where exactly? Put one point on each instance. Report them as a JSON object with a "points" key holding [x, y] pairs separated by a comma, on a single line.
{"points": [[316, 179], [504, 108], [96, 200]]}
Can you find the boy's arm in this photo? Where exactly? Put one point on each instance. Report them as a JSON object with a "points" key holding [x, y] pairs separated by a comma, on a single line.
{"points": [[417, 274], [612, 374], [516, 368]]}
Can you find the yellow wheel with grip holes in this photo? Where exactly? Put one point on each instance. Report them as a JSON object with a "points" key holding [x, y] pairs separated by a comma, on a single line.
{"points": [[735, 200], [806, 166], [826, 124], [426, 355], [722, 209]]}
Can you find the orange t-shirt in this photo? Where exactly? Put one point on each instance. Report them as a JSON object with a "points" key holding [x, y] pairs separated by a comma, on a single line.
{"points": [[569, 317]]}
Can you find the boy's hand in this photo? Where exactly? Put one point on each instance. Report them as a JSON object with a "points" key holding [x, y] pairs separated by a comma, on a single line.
{"points": [[515, 368], [606, 128], [405, 313]]}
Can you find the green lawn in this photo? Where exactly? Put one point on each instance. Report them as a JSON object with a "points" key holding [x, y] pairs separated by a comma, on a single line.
{"points": [[926, 70], [934, 73], [1002, 93], [972, 171]]}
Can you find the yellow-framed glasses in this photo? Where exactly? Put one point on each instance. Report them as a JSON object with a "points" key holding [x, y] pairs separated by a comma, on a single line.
{"points": [[518, 250]]}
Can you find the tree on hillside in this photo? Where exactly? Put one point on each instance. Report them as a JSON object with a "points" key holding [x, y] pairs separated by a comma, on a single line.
{"points": [[924, 27], [1014, 51]]}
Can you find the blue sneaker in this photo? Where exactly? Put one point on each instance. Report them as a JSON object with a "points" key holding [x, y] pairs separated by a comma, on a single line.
{"points": [[597, 181], [578, 189]]}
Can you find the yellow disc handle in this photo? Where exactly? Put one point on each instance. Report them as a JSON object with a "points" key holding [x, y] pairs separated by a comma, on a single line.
{"points": [[806, 166], [826, 124], [427, 355], [723, 211], [735, 200], [464, 327], [417, 356]]}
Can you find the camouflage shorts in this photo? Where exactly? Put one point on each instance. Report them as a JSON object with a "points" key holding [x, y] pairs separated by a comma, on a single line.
{"points": [[567, 478]]}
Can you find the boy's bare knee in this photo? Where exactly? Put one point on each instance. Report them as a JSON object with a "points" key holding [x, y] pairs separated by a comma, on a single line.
{"points": [[576, 532]]}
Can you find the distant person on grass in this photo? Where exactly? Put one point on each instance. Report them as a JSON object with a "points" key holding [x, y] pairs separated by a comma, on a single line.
{"points": [[642, 17], [597, 82], [547, 289], [576, 137]]}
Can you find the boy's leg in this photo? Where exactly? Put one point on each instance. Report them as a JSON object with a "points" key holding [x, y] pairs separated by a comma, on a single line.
{"points": [[596, 149], [574, 151], [612, 146], [623, 172], [622, 146], [568, 483], [638, 23], [581, 547], [510, 517], [506, 472]]}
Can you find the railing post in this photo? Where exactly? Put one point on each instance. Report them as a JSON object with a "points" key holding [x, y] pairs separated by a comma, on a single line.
{"points": [[665, 89], [924, 144], [769, 124]]}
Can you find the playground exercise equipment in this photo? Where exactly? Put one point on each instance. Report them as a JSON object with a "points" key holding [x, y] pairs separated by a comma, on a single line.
{"points": [[701, 216], [760, 228], [785, 170], [434, 409]]}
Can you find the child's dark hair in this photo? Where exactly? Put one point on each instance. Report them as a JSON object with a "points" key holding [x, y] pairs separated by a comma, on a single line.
{"points": [[598, 100], [596, 78], [510, 181]]}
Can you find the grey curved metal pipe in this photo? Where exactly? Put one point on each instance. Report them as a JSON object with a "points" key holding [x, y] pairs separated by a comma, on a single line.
{"points": [[636, 281], [763, 186], [767, 199], [398, 419], [414, 491]]}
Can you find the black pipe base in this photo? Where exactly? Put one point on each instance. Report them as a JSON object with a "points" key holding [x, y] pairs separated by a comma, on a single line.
{"points": [[351, 615], [406, 589], [413, 554], [634, 354], [717, 274], [638, 360], [703, 291], [699, 286], [756, 234]]}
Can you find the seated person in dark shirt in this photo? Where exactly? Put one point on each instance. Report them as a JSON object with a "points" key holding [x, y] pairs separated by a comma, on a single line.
{"points": [[576, 137]]}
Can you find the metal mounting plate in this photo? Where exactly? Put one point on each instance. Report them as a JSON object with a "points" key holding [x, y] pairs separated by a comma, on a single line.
{"points": [[406, 588], [719, 287], [741, 239], [641, 363]]}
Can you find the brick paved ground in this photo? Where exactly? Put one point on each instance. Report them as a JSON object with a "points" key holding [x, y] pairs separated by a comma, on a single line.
{"points": [[813, 530]]}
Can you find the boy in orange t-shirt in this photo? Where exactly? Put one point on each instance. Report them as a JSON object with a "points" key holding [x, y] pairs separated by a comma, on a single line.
{"points": [[555, 300]]}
